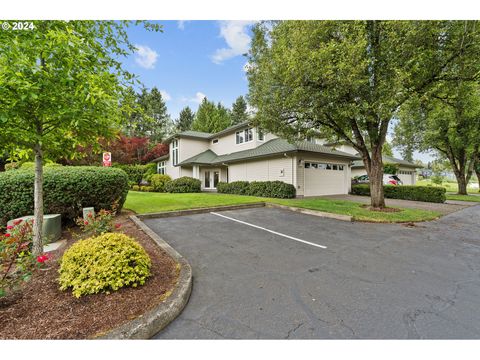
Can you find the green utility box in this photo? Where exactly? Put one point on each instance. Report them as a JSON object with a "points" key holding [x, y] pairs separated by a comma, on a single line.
{"points": [[52, 226]]}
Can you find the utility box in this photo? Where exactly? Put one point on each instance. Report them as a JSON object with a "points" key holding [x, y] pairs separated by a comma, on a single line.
{"points": [[88, 210], [52, 226]]}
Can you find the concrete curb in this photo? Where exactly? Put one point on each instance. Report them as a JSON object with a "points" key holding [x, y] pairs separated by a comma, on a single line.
{"points": [[154, 320], [199, 210], [311, 212]]}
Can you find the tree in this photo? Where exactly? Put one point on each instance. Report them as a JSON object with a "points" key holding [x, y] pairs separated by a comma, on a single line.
{"points": [[210, 117], [447, 120], [185, 119], [239, 111], [347, 79], [387, 149], [61, 86], [148, 115]]}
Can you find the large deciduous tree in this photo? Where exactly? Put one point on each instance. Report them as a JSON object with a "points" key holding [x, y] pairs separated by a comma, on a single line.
{"points": [[60, 86], [346, 79]]}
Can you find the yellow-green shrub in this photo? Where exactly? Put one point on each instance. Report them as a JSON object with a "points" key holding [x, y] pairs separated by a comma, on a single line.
{"points": [[102, 264]]}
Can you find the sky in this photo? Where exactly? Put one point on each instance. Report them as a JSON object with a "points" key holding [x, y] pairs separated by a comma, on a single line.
{"points": [[191, 60]]}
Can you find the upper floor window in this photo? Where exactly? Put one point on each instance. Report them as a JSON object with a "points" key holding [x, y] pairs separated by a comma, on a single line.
{"points": [[161, 165], [175, 152], [260, 134], [244, 136]]}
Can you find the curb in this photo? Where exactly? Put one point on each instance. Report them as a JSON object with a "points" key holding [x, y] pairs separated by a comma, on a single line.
{"points": [[156, 319], [198, 211], [311, 212]]}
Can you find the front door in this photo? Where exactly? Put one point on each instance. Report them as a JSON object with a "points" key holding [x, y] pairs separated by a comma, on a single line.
{"points": [[211, 179]]}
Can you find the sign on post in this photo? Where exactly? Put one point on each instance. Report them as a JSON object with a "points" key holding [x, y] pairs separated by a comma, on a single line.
{"points": [[107, 159]]}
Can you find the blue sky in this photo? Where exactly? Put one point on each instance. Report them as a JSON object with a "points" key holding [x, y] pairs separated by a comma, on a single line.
{"points": [[192, 59]]}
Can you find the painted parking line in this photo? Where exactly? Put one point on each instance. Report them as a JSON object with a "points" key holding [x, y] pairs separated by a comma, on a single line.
{"points": [[270, 231]]}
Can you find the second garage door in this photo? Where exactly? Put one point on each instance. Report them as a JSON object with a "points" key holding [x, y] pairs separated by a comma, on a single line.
{"points": [[324, 178]]}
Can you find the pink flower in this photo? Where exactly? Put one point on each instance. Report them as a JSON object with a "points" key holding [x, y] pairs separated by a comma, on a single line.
{"points": [[16, 222], [9, 227], [85, 222], [7, 235], [118, 226]]}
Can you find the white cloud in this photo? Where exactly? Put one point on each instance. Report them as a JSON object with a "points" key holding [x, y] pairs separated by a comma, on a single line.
{"points": [[198, 98], [145, 57], [181, 24], [165, 95], [235, 34]]}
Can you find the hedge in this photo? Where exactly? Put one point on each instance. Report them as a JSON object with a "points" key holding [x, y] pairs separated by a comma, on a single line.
{"points": [[66, 190], [235, 187], [159, 182], [273, 189], [183, 184], [406, 192]]}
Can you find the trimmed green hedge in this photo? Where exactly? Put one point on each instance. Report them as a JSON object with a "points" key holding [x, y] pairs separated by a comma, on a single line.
{"points": [[272, 189], [66, 190], [406, 192], [159, 182], [184, 184], [235, 187]]}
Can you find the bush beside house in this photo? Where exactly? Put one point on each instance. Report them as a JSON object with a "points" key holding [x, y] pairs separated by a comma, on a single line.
{"points": [[273, 189], [183, 184], [67, 190], [406, 192]]}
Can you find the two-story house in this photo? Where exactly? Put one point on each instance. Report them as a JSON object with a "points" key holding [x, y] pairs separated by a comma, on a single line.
{"points": [[243, 152]]}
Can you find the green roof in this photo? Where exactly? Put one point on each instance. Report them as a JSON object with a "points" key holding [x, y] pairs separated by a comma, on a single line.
{"points": [[270, 148], [388, 160]]}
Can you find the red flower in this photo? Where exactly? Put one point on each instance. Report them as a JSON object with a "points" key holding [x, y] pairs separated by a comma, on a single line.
{"points": [[7, 235], [118, 226], [90, 215], [9, 227], [18, 221], [85, 222], [42, 258]]}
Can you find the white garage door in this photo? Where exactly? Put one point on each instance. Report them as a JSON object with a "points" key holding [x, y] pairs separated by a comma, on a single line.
{"points": [[324, 178], [406, 176]]}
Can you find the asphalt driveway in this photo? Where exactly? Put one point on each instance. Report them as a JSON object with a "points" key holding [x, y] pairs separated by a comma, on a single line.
{"points": [[273, 274]]}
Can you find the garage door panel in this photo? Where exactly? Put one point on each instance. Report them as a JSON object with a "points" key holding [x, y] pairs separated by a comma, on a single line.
{"points": [[324, 182]]}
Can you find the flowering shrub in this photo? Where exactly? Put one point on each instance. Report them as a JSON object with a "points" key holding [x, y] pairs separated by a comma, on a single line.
{"points": [[99, 224], [16, 259]]}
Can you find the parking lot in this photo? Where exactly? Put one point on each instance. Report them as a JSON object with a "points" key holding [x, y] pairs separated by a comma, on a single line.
{"points": [[271, 273]]}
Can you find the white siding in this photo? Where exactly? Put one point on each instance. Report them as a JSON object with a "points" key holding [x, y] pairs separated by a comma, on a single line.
{"points": [[227, 143], [263, 170]]}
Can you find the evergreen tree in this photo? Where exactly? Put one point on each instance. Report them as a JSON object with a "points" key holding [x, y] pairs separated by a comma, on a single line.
{"points": [[239, 111], [210, 117], [185, 119]]}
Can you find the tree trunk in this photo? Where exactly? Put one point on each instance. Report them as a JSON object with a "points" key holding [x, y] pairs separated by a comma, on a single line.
{"points": [[375, 175], [462, 185], [38, 202], [477, 171]]}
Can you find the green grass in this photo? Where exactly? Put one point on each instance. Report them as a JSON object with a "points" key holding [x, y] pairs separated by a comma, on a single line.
{"points": [[474, 198], [147, 202], [144, 202], [450, 186]]}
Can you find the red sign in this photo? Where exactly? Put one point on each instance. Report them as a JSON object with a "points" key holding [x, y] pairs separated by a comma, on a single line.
{"points": [[107, 159]]}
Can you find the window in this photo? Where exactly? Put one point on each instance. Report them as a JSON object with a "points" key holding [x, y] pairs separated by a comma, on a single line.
{"points": [[244, 136], [334, 167], [329, 166], [323, 166], [260, 134], [175, 152], [340, 167], [315, 165], [161, 165], [214, 141], [307, 165]]}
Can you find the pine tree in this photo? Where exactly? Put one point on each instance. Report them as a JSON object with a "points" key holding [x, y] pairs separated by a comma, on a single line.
{"points": [[239, 111], [185, 119]]}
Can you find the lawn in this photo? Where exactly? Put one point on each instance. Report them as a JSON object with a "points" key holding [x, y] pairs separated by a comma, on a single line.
{"points": [[453, 196], [144, 202], [450, 186]]}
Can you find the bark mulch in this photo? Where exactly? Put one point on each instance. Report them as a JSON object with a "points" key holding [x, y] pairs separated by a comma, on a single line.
{"points": [[41, 311]]}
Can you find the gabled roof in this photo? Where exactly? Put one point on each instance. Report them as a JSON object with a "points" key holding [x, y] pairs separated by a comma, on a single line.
{"points": [[270, 148], [163, 157], [388, 160], [205, 135]]}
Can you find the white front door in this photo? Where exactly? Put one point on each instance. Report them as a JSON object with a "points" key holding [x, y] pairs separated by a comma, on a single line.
{"points": [[211, 178]]}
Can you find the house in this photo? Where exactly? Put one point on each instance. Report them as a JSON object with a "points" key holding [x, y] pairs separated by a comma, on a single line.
{"points": [[406, 170], [243, 152]]}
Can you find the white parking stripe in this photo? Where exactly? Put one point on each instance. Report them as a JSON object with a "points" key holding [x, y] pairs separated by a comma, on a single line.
{"points": [[270, 231]]}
